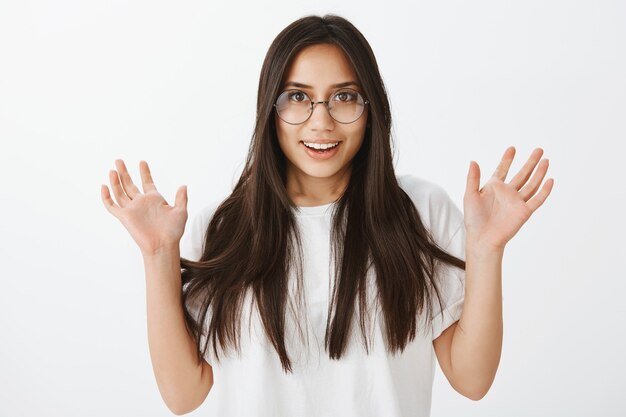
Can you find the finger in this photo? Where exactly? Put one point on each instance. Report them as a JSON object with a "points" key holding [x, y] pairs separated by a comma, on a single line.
{"points": [[130, 188], [109, 204], [522, 176], [536, 202], [531, 188], [473, 178], [120, 196], [146, 177], [505, 163], [181, 197]]}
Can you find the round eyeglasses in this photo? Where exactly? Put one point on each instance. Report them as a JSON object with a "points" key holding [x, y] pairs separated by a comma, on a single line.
{"points": [[344, 106]]}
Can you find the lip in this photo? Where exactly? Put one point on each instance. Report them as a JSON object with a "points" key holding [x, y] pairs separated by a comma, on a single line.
{"points": [[320, 141], [321, 156]]}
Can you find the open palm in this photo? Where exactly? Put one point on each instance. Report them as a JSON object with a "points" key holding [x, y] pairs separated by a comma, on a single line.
{"points": [[494, 213], [149, 219]]}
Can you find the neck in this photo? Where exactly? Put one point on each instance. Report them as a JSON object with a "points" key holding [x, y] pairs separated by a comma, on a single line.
{"points": [[306, 191]]}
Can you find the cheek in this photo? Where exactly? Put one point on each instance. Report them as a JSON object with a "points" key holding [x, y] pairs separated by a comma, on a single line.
{"points": [[358, 134]]}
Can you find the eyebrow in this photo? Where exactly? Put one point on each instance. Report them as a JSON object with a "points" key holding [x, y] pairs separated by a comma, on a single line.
{"points": [[300, 85]]}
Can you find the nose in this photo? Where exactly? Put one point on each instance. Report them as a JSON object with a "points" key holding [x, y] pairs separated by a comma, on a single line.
{"points": [[320, 118]]}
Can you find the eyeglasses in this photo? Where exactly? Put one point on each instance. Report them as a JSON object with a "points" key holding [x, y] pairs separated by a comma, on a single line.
{"points": [[344, 106]]}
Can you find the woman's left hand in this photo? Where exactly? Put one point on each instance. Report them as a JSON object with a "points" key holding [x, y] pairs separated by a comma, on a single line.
{"points": [[494, 213]]}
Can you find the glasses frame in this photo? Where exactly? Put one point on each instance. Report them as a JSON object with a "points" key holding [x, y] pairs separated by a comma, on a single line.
{"points": [[326, 104]]}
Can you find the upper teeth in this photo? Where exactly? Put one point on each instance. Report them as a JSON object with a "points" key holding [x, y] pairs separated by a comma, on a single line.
{"points": [[320, 145]]}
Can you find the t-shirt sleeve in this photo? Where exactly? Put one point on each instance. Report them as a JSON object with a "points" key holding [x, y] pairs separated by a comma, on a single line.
{"points": [[451, 282], [445, 222], [192, 242], [192, 248]]}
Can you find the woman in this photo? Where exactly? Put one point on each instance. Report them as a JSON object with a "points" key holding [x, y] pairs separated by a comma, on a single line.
{"points": [[324, 283]]}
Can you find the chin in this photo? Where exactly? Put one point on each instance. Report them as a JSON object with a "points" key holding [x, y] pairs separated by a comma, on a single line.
{"points": [[320, 172]]}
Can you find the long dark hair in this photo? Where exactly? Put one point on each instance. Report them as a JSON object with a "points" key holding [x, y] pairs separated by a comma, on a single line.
{"points": [[252, 241]]}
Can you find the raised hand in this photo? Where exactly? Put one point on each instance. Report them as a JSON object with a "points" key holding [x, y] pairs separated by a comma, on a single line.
{"points": [[494, 213], [151, 221]]}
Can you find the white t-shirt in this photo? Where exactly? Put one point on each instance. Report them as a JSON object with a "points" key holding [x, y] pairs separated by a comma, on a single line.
{"points": [[357, 385]]}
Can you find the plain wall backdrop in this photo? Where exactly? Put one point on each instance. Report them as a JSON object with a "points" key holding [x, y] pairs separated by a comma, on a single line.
{"points": [[174, 83]]}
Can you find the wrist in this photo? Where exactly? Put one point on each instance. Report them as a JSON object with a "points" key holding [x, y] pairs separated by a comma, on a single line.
{"points": [[478, 251], [162, 270], [162, 252]]}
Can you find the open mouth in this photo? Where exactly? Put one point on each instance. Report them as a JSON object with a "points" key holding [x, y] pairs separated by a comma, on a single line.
{"points": [[317, 149]]}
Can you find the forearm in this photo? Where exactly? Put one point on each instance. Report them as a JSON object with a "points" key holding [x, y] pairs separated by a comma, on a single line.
{"points": [[477, 341], [182, 382]]}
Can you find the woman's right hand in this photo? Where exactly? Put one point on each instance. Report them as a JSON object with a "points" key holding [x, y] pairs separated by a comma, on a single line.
{"points": [[150, 220]]}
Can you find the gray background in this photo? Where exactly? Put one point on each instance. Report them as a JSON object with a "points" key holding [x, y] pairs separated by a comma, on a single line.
{"points": [[174, 83]]}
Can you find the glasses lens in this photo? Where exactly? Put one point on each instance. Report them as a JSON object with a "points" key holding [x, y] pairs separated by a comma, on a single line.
{"points": [[293, 106], [346, 106]]}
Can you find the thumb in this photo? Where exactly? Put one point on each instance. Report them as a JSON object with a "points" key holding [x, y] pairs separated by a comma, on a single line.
{"points": [[473, 178], [181, 197]]}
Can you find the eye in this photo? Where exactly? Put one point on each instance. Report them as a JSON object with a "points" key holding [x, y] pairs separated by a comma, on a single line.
{"points": [[345, 96], [297, 96]]}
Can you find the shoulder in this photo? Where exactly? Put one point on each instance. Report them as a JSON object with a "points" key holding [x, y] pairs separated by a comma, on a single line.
{"points": [[195, 231], [200, 220], [437, 210], [423, 190], [205, 214], [431, 199]]}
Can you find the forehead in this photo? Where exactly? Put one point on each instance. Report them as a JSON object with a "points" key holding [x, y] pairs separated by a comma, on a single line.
{"points": [[320, 66]]}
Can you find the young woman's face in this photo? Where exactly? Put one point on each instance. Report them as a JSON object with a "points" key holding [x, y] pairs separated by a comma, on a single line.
{"points": [[320, 71]]}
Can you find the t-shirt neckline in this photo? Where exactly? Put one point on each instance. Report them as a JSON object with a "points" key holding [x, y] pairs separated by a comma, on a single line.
{"points": [[314, 210]]}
